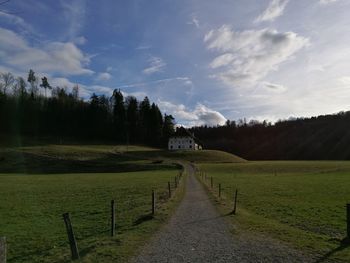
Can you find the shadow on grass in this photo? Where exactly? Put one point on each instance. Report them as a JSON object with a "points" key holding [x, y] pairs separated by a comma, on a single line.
{"points": [[345, 243], [30, 163], [143, 219]]}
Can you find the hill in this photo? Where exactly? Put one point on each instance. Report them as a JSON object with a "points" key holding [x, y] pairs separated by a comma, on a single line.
{"points": [[99, 158]]}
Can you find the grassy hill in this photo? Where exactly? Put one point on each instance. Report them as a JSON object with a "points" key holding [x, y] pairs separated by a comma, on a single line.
{"points": [[99, 158]]}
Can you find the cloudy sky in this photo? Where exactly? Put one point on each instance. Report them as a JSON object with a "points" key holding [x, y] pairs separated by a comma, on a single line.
{"points": [[202, 61]]}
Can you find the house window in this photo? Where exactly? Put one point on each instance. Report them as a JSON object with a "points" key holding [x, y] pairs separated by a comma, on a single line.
{"points": [[179, 147], [171, 146], [190, 141]]}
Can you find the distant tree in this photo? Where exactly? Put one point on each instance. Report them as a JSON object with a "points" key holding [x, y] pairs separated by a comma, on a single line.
{"points": [[75, 92], [7, 81], [20, 87], [45, 85], [119, 115], [132, 118], [144, 129], [168, 127], [155, 124], [33, 82]]}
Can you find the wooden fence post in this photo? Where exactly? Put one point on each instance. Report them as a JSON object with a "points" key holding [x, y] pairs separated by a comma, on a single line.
{"points": [[112, 218], [219, 190], [153, 202], [211, 182], [348, 221], [2, 249], [235, 203], [71, 237], [169, 189]]}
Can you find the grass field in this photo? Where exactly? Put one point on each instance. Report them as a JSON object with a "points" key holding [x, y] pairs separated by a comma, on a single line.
{"points": [[300, 202], [61, 179]]}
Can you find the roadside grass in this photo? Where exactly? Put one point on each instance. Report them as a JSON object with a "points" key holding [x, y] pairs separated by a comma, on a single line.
{"points": [[31, 211], [300, 202]]}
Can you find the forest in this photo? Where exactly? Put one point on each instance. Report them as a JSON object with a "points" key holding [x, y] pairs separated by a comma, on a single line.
{"points": [[26, 110], [326, 137]]}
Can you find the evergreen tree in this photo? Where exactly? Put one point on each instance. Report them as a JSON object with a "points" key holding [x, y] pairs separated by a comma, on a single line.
{"points": [[32, 80], [45, 85], [119, 116], [132, 118]]}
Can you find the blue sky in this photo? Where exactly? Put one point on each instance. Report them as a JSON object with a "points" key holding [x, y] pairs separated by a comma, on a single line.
{"points": [[202, 61]]}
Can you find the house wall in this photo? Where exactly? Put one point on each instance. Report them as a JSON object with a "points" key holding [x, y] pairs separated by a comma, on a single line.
{"points": [[182, 143]]}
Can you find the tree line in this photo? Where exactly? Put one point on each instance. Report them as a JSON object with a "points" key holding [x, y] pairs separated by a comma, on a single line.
{"points": [[326, 137], [26, 109]]}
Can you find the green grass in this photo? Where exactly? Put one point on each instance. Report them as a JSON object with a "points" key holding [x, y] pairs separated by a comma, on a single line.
{"points": [[210, 156], [31, 211], [46, 159], [300, 202], [40, 183]]}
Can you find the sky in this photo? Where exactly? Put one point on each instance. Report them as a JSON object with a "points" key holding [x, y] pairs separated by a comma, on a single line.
{"points": [[202, 61]]}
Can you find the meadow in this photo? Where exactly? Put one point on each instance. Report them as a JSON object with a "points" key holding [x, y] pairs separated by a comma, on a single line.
{"points": [[40, 183], [299, 202]]}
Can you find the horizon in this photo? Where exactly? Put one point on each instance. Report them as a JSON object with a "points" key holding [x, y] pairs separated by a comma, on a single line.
{"points": [[263, 60]]}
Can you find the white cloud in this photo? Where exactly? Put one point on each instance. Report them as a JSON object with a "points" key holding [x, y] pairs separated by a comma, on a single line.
{"points": [[156, 64], [15, 20], [345, 80], [104, 76], [59, 57], [326, 2], [248, 56], [274, 10], [201, 115], [186, 80], [79, 40], [74, 12], [194, 21], [274, 87]]}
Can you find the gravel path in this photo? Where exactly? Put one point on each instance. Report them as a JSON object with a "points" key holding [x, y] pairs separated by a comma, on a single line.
{"points": [[197, 233]]}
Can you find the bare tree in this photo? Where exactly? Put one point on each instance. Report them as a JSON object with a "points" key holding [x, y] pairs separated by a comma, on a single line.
{"points": [[7, 81], [20, 87], [75, 92]]}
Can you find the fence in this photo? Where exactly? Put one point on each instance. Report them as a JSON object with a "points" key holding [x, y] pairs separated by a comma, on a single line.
{"points": [[210, 185], [68, 221]]}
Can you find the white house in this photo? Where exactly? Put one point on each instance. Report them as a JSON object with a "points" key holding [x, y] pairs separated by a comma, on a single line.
{"points": [[183, 140]]}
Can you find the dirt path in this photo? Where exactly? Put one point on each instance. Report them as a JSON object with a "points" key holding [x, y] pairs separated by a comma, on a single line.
{"points": [[197, 233]]}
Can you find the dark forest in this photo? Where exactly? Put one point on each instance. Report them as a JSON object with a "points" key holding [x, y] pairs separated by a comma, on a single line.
{"points": [[324, 137], [26, 111]]}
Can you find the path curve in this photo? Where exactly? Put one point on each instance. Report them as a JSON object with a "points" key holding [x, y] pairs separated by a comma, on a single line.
{"points": [[198, 233]]}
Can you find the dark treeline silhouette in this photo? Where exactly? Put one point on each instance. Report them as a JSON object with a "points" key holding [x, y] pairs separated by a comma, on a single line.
{"points": [[323, 137], [25, 110]]}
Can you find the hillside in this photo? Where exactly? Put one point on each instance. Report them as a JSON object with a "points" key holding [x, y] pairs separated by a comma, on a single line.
{"points": [[318, 138], [99, 158]]}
